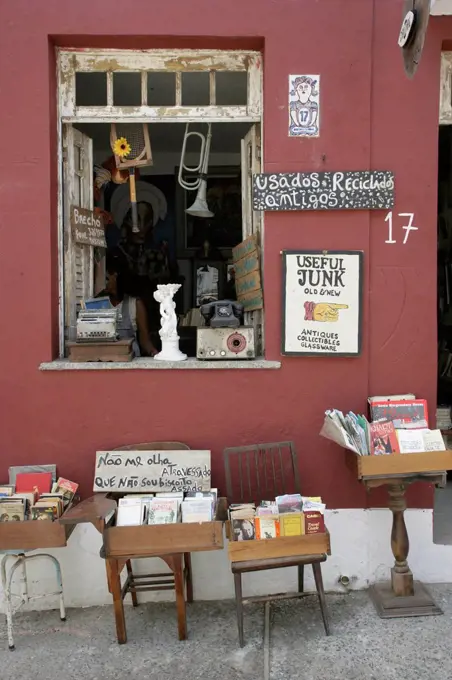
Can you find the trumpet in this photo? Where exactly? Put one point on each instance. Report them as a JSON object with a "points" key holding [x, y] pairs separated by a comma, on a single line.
{"points": [[199, 183]]}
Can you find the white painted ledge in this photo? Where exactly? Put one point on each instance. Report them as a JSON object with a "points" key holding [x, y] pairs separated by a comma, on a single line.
{"points": [[440, 7], [146, 364]]}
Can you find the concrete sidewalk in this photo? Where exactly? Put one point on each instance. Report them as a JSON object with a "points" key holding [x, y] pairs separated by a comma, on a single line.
{"points": [[362, 646]]}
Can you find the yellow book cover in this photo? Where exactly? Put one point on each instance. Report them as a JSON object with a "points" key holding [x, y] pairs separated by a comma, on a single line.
{"points": [[292, 524]]}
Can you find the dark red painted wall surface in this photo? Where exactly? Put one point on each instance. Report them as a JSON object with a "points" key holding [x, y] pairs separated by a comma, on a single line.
{"points": [[372, 117]]}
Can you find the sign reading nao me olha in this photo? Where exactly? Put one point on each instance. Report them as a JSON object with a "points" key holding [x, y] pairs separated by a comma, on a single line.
{"points": [[360, 190]]}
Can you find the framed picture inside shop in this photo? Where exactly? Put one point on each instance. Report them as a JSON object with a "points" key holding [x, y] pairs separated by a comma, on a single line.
{"points": [[322, 303]]}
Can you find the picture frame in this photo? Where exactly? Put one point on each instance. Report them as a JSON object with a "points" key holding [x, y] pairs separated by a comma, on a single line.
{"points": [[322, 303], [224, 230]]}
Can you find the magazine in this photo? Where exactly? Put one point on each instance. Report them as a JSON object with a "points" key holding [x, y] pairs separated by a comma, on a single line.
{"points": [[410, 414], [383, 439]]}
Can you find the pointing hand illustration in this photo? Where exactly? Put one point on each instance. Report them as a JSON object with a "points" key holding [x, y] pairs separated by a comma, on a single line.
{"points": [[322, 311]]}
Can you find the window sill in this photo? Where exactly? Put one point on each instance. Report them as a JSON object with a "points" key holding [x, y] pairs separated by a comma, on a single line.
{"points": [[145, 364]]}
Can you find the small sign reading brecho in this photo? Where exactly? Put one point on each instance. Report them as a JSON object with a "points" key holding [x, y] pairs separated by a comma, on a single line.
{"points": [[87, 227], [361, 190]]}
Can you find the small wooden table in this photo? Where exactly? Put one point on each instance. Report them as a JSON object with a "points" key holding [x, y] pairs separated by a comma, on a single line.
{"points": [[173, 543], [402, 596]]}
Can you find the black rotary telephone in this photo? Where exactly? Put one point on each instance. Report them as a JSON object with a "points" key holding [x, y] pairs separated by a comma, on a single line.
{"points": [[222, 314]]}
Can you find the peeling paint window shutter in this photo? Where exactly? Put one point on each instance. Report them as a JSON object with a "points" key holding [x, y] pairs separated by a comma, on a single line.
{"points": [[78, 191], [252, 219]]}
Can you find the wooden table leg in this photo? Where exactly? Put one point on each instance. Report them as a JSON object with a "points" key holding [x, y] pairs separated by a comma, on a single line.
{"points": [[115, 584], [402, 596], [130, 575], [239, 606], [188, 576], [175, 563], [401, 575]]}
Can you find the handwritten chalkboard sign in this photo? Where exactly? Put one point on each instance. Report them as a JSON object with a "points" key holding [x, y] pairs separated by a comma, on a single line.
{"points": [[87, 227], [152, 471], [361, 190]]}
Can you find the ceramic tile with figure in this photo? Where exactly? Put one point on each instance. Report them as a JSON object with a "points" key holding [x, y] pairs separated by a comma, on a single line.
{"points": [[304, 106]]}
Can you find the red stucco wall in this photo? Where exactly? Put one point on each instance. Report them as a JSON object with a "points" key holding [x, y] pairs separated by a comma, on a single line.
{"points": [[372, 117]]}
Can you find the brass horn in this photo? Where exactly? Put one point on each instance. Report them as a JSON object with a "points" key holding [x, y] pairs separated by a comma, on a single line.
{"points": [[199, 207]]}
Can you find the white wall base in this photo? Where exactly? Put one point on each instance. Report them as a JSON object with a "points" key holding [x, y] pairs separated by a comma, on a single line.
{"points": [[360, 546]]}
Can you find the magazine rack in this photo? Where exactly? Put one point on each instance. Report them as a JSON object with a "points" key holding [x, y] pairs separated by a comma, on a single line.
{"points": [[402, 596], [17, 539], [173, 543]]}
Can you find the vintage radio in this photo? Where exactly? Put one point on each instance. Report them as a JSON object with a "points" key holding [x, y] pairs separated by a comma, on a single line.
{"points": [[225, 343], [97, 324]]}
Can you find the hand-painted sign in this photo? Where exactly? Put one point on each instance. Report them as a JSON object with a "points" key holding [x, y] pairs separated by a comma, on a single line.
{"points": [[152, 471], [322, 303], [87, 227], [248, 283], [361, 190]]}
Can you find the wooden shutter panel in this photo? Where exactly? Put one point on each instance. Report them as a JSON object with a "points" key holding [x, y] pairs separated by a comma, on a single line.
{"points": [[252, 219], [78, 191]]}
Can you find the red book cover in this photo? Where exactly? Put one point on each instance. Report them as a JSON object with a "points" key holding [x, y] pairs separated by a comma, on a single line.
{"points": [[383, 439], [29, 481], [410, 414], [314, 522]]}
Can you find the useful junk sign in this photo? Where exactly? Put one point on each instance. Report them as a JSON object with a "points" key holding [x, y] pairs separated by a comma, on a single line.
{"points": [[322, 303], [360, 190]]}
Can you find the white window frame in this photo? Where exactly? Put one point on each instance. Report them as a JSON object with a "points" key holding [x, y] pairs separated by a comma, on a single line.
{"points": [[71, 61], [445, 97]]}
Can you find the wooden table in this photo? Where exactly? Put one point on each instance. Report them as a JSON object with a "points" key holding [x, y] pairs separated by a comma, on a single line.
{"points": [[173, 543], [402, 596]]}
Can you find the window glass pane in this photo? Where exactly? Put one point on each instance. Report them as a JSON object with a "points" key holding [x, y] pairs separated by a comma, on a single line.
{"points": [[161, 88], [127, 89], [231, 88], [195, 89], [90, 89]]}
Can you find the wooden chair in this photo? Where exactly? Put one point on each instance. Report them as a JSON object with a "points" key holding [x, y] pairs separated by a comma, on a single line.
{"points": [[262, 472], [177, 579]]}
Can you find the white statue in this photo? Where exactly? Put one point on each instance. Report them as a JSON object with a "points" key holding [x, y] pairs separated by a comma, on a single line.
{"points": [[168, 332]]}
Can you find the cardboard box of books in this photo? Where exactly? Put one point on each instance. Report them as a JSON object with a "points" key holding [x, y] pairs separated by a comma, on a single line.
{"points": [[397, 440], [30, 506], [289, 525]]}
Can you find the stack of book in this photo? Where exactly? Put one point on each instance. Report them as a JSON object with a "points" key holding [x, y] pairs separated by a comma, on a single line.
{"points": [[443, 419], [288, 515], [167, 508], [35, 495], [398, 424]]}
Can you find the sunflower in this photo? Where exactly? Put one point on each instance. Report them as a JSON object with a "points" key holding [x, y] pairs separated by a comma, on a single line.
{"points": [[122, 147]]}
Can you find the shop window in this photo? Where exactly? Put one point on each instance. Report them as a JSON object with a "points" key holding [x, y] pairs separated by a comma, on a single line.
{"points": [[145, 95], [91, 89], [161, 88], [126, 89], [231, 88], [195, 89]]}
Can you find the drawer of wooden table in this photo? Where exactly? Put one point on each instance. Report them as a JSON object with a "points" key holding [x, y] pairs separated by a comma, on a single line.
{"points": [[400, 463], [284, 546], [163, 539], [33, 535]]}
